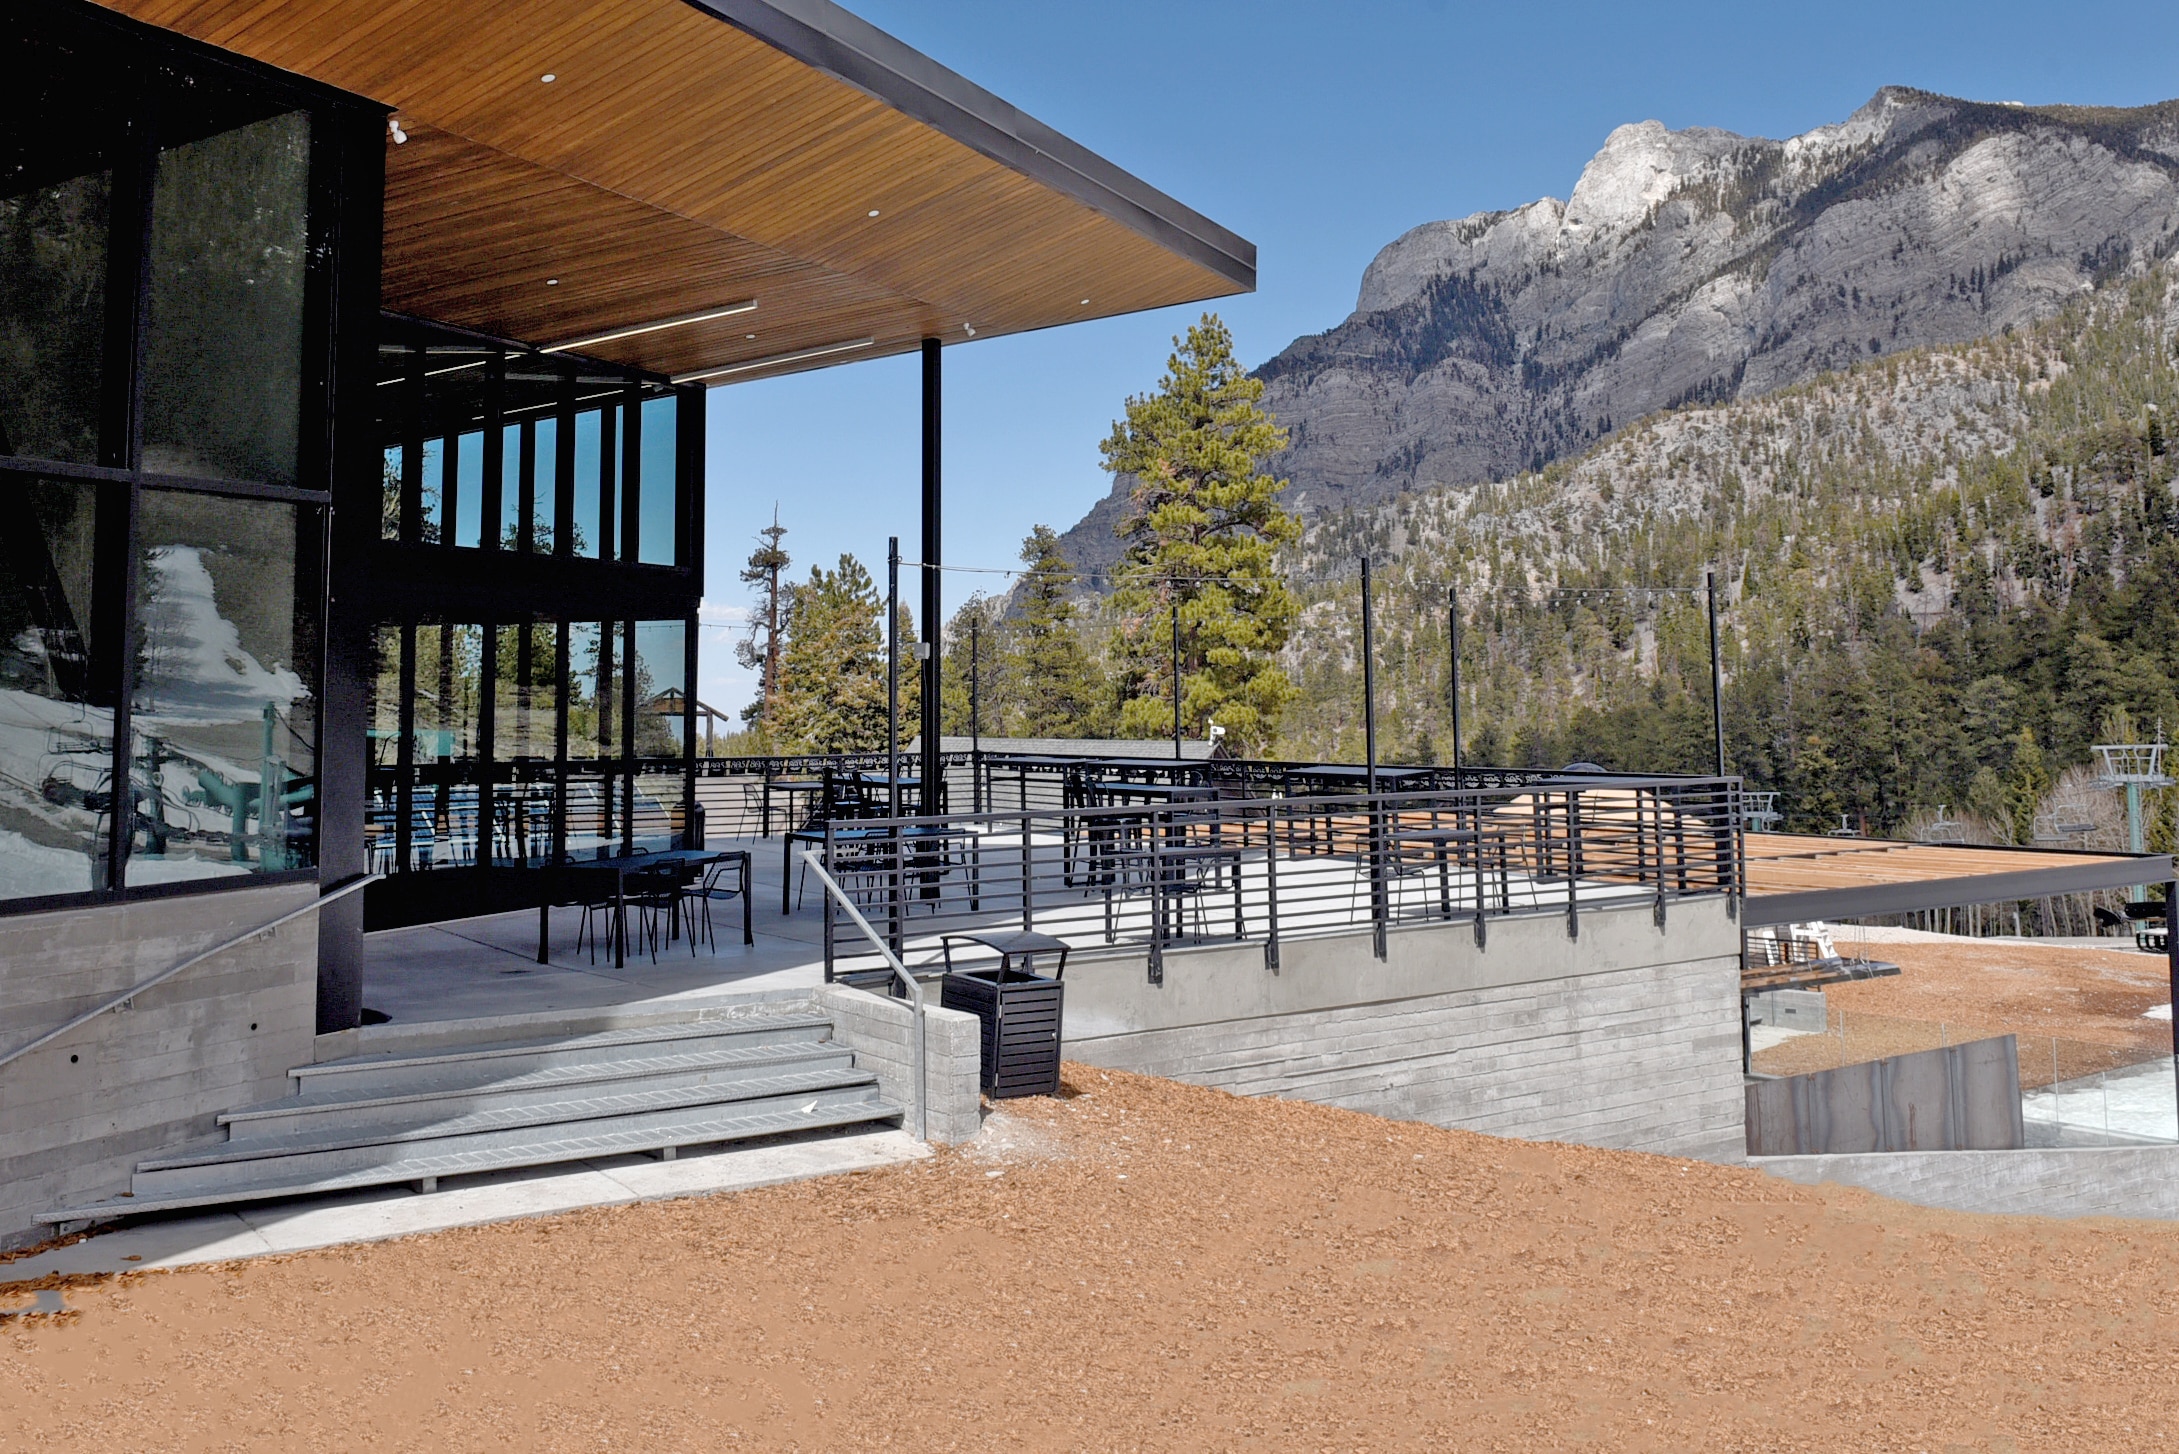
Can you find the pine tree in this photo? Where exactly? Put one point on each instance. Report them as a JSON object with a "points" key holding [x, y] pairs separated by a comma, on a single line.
{"points": [[980, 625], [760, 649], [832, 664], [1057, 689], [1202, 528]]}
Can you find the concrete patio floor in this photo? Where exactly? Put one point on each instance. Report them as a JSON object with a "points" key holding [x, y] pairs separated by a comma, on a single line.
{"points": [[488, 966]]}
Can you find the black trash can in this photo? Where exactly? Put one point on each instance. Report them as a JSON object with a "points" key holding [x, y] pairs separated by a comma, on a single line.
{"points": [[1020, 1011]]}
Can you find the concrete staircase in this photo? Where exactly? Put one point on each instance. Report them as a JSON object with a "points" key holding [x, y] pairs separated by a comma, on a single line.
{"points": [[414, 1117]]}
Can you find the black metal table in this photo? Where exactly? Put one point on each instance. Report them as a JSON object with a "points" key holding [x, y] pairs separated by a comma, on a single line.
{"points": [[622, 865]]}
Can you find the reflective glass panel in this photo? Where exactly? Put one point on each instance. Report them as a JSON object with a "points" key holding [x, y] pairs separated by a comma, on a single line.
{"points": [[56, 734], [588, 437], [224, 718], [660, 670], [510, 487], [656, 545], [57, 151], [223, 361], [431, 529], [594, 790], [469, 489]]}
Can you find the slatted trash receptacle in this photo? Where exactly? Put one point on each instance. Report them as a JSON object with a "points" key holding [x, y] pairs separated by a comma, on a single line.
{"points": [[1020, 1010]]}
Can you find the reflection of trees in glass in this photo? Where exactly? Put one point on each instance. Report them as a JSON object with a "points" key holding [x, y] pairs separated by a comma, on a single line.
{"points": [[52, 317], [224, 361]]}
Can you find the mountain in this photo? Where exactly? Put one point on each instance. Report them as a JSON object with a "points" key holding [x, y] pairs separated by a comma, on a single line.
{"points": [[1698, 266], [1942, 575]]}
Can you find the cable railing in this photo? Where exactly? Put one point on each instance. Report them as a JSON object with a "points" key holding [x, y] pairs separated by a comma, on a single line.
{"points": [[1149, 867]]}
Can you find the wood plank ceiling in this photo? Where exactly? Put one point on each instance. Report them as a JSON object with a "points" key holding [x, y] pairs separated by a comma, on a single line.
{"points": [[675, 163]]}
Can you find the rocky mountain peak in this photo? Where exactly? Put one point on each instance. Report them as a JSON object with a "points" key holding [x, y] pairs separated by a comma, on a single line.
{"points": [[1697, 266]]}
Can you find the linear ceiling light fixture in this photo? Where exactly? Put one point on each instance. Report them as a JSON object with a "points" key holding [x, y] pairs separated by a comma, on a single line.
{"points": [[746, 305], [774, 361]]}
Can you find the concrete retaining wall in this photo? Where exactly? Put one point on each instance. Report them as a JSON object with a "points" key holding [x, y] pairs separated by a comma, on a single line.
{"points": [[2100, 1181], [77, 1115], [881, 1030], [1626, 1037], [1956, 1098]]}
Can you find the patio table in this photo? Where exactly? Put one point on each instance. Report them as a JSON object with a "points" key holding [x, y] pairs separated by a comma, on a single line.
{"points": [[620, 866]]}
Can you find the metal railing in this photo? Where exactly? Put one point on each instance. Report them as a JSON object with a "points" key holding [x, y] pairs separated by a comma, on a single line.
{"points": [[835, 894], [1157, 866], [121, 1001]]}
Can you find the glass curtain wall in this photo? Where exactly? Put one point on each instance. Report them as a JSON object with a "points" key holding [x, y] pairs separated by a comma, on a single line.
{"points": [[563, 457], [514, 748], [164, 348]]}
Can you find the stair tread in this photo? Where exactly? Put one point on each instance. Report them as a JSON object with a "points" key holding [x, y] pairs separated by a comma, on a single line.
{"points": [[544, 1077], [514, 1118], [461, 1163], [602, 1039]]}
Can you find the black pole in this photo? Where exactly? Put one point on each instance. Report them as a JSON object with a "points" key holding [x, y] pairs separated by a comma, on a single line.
{"points": [[1369, 750], [1176, 679], [933, 606], [1369, 682], [1717, 672], [1452, 636], [975, 715], [892, 676]]}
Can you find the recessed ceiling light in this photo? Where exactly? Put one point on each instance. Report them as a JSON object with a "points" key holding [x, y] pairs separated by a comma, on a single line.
{"points": [[552, 282], [873, 212], [548, 78], [1085, 302], [750, 336]]}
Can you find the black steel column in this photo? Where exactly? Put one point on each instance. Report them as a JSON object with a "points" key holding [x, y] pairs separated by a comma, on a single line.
{"points": [[1176, 680], [1452, 630], [1369, 749], [1717, 673], [892, 677], [933, 604]]}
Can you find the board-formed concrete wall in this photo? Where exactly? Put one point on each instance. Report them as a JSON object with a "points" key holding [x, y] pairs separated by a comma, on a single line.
{"points": [[76, 1115], [1627, 1037]]}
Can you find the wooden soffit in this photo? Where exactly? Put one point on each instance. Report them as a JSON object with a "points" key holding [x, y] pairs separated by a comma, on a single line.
{"points": [[690, 154]]}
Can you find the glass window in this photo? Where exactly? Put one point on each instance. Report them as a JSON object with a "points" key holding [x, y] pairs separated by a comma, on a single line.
{"points": [[57, 152], [545, 491], [469, 488], [224, 714], [223, 363], [431, 529], [660, 681], [510, 486], [588, 441], [389, 504], [56, 726], [656, 544]]}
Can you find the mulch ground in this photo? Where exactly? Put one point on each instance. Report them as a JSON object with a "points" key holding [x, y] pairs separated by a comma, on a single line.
{"points": [[1142, 1265]]}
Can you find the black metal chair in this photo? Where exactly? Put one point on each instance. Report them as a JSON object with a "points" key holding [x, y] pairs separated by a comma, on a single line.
{"points": [[714, 887]]}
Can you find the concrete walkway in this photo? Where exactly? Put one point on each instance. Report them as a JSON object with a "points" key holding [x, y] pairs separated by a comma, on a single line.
{"points": [[258, 1230]]}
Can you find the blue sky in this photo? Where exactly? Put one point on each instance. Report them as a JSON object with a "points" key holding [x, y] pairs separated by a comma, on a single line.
{"points": [[1319, 132]]}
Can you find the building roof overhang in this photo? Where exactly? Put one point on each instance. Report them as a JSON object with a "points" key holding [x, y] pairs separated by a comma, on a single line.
{"points": [[1795, 879], [691, 155]]}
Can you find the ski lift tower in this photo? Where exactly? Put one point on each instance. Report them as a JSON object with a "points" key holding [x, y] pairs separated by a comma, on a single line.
{"points": [[1759, 811], [2134, 766]]}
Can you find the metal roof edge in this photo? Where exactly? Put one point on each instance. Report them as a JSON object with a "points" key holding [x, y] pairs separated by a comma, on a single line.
{"points": [[1859, 901], [821, 34]]}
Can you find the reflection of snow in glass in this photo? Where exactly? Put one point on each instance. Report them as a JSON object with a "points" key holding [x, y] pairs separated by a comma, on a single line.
{"points": [[194, 667]]}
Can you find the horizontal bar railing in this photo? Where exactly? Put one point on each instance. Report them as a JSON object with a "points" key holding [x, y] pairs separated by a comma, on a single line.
{"points": [[1166, 865], [122, 999]]}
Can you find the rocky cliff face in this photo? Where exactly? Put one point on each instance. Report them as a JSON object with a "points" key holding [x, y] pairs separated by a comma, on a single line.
{"points": [[1699, 266]]}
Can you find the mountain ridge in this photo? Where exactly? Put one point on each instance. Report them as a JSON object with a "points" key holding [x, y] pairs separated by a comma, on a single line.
{"points": [[1696, 266]]}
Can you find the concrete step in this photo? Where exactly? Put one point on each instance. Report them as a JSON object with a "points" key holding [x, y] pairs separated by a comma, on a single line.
{"points": [[451, 1090], [336, 1151], [424, 1165], [395, 1071]]}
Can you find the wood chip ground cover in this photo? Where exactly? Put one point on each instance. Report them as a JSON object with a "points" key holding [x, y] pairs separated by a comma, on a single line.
{"points": [[1143, 1265]]}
